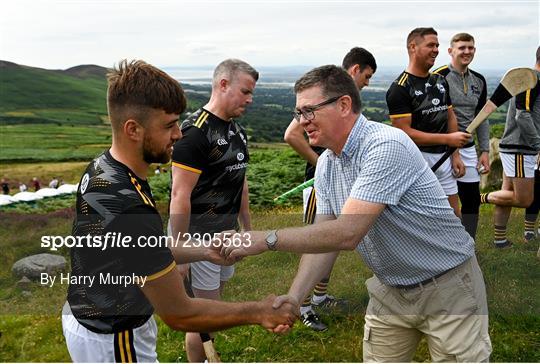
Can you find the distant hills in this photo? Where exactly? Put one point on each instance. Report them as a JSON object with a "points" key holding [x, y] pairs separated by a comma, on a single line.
{"points": [[36, 95], [77, 96]]}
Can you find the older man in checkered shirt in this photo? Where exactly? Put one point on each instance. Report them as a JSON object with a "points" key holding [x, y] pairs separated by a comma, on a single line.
{"points": [[376, 194]]}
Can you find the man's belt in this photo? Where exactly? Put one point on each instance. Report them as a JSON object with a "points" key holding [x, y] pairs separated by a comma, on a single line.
{"points": [[424, 282]]}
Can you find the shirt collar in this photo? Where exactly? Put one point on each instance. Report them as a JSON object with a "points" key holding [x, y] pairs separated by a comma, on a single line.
{"points": [[451, 68]]}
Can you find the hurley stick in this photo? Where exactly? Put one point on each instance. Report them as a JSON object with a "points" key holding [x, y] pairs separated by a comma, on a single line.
{"points": [[515, 81], [294, 190], [208, 344]]}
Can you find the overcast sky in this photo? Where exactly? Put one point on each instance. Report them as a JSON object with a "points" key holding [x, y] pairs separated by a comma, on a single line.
{"points": [[62, 34]]}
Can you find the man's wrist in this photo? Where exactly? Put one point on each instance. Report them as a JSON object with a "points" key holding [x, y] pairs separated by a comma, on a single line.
{"points": [[271, 240]]}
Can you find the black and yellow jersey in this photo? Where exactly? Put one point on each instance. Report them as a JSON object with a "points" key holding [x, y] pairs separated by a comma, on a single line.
{"points": [[426, 100], [112, 201], [217, 150]]}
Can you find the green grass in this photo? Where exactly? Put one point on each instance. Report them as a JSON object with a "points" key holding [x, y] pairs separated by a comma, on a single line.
{"points": [[33, 95], [42, 143], [31, 327]]}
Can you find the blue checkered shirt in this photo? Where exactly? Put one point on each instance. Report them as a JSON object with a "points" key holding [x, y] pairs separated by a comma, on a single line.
{"points": [[417, 236]]}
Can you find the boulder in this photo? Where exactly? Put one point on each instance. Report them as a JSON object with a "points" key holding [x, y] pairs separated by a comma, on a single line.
{"points": [[34, 265], [24, 283]]}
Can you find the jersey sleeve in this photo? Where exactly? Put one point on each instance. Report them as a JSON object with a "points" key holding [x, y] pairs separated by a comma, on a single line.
{"points": [[399, 101], [447, 88], [524, 106], [191, 152], [143, 257]]}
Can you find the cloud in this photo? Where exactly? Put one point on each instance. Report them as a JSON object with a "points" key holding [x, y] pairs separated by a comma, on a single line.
{"points": [[60, 34]]}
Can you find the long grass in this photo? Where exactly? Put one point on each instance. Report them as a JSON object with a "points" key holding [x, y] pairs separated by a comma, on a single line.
{"points": [[31, 326]]}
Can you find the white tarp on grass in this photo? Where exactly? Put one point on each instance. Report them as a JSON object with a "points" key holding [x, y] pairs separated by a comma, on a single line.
{"points": [[48, 192], [27, 196], [6, 200], [67, 188]]}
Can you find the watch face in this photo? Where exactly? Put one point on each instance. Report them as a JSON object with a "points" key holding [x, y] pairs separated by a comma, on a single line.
{"points": [[271, 239]]}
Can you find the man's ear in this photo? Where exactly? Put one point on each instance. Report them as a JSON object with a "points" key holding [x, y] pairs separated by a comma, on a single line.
{"points": [[223, 83], [450, 51], [133, 130], [345, 104], [354, 70], [411, 47]]}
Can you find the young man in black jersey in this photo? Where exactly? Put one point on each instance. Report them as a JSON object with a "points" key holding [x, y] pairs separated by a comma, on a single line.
{"points": [[115, 289], [360, 65], [209, 187], [420, 105]]}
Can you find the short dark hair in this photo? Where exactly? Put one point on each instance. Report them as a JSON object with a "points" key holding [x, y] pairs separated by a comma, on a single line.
{"points": [[538, 55], [136, 87], [333, 81], [230, 67], [461, 37], [361, 57], [419, 33]]}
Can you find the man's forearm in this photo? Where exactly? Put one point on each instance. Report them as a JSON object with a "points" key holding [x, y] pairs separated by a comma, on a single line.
{"points": [[312, 268], [244, 215], [482, 132], [179, 220]]}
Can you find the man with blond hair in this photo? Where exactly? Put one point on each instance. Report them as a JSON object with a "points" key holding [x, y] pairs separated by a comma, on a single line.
{"points": [[468, 90]]}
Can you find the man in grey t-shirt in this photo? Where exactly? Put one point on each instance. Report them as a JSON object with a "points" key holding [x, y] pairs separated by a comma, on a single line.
{"points": [[376, 194], [468, 90]]}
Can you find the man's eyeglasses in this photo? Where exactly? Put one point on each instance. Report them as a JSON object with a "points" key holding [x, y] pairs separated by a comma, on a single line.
{"points": [[309, 112]]}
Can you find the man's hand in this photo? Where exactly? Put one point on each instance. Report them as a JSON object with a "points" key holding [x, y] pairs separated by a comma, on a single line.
{"points": [[234, 246], [213, 255], [281, 319], [458, 139], [458, 167], [483, 166]]}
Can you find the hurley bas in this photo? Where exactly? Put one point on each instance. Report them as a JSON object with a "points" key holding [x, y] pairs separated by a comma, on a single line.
{"points": [[89, 280]]}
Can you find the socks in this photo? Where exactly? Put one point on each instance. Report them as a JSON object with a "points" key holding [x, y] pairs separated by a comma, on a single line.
{"points": [[306, 306], [529, 226], [500, 234], [319, 293], [484, 197]]}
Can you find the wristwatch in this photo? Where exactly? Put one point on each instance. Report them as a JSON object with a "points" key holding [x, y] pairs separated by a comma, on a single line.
{"points": [[271, 240]]}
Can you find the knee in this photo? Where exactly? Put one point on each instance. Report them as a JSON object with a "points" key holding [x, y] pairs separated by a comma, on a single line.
{"points": [[524, 201], [193, 340]]}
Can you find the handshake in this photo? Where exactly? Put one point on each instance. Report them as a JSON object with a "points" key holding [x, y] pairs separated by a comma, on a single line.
{"points": [[275, 313], [228, 247], [278, 314]]}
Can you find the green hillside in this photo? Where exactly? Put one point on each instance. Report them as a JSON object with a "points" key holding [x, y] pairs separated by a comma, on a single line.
{"points": [[34, 95]]}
